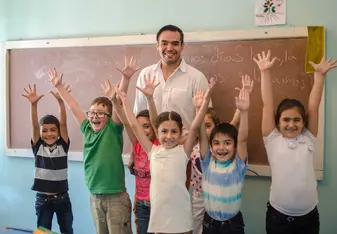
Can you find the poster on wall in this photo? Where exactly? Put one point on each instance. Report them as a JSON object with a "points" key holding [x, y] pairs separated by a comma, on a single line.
{"points": [[270, 12]]}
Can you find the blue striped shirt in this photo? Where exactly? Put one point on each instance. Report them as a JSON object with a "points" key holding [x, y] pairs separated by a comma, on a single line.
{"points": [[222, 186]]}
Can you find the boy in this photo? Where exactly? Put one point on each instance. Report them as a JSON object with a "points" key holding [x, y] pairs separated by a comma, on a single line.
{"points": [[50, 145], [102, 156]]}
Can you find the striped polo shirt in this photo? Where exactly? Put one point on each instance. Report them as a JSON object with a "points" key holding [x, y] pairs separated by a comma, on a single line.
{"points": [[222, 185], [51, 167]]}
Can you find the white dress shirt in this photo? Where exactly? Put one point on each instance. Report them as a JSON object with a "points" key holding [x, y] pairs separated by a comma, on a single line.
{"points": [[174, 94]]}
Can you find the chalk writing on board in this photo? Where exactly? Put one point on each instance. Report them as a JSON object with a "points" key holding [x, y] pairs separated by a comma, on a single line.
{"points": [[220, 56], [40, 73]]}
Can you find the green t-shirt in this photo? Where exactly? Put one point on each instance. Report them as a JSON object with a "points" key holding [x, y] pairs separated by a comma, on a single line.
{"points": [[102, 158]]}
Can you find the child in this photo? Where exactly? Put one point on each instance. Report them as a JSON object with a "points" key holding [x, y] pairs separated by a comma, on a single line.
{"points": [[289, 138], [102, 157], [224, 168], [170, 201], [50, 145], [210, 121], [141, 166]]}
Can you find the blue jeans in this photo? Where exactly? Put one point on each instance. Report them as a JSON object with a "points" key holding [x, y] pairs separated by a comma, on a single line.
{"points": [[142, 215], [47, 205]]}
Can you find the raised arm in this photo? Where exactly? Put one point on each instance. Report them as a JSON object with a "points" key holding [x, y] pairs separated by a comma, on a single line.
{"points": [[127, 72], [203, 140], [110, 92], [148, 90], [242, 103], [316, 92], [199, 118], [63, 115], [264, 64], [248, 85], [33, 98], [66, 96], [137, 129]]}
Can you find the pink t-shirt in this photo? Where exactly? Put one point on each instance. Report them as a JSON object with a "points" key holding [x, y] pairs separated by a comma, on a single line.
{"points": [[142, 172]]}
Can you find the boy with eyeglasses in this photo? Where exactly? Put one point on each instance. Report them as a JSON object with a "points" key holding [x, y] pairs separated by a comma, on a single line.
{"points": [[102, 155]]}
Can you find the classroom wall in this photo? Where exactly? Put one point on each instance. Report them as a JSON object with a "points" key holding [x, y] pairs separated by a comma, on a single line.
{"points": [[34, 19]]}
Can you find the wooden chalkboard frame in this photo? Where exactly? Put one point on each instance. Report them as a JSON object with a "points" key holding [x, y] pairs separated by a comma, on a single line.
{"points": [[201, 36]]}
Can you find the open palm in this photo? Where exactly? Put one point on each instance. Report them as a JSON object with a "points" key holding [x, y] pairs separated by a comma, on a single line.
{"points": [[129, 67], [263, 61], [57, 95], [53, 77], [324, 66], [109, 89], [242, 102], [149, 87], [31, 94], [198, 98]]}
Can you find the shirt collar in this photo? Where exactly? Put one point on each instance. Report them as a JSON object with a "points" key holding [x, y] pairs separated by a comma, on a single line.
{"points": [[182, 66]]}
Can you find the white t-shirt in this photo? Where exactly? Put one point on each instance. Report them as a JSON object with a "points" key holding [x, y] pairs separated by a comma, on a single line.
{"points": [[171, 210], [174, 94], [294, 187]]}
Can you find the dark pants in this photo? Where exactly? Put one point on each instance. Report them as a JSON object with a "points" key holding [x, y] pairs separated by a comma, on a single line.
{"points": [[279, 223], [47, 205], [234, 225], [142, 213]]}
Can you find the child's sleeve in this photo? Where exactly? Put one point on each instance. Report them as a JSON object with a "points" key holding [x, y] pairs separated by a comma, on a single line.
{"points": [[64, 144], [241, 165], [37, 145], [153, 151], [84, 126], [271, 136], [205, 162]]}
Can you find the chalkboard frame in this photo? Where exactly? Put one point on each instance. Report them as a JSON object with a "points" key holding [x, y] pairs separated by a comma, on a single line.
{"points": [[199, 36]]}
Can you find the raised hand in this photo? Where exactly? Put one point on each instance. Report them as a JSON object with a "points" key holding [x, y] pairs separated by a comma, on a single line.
{"points": [[247, 83], [324, 66], [198, 98], [110, 89], [57, 95], [211, 84], [31, 95], [129, 67], [149, 87], [263, 61], [242, 102], [53, 78], [121, 94]]}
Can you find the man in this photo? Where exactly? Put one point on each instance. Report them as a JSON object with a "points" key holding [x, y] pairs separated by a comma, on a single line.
{"points": [[178, 80]]}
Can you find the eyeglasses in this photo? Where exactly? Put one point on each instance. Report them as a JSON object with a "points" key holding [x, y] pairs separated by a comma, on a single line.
{"points": [[99, 114]]}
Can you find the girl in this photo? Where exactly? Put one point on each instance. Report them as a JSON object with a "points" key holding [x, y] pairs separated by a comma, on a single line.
{"points": [[289, 138], [210, 121], [224, 168], [170, 201]]}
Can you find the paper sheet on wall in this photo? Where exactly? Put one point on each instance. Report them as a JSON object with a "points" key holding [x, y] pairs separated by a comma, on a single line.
{"points": [[315, 46], [270, 12]]}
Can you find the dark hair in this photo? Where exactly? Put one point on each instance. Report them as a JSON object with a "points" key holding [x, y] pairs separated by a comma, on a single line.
{"points": [[212, 113], [172, 28], [286, 104], [104, 101], [50, 119], [225, 129], [172, 115], [143, 113]]}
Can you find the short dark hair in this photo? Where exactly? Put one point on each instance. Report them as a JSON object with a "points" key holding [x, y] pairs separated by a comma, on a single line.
{"points": [[212, 113], [172, 115], [225, 129], [143, 113], [50, 119], [286, 104], [172, 28], [104, 101]]}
